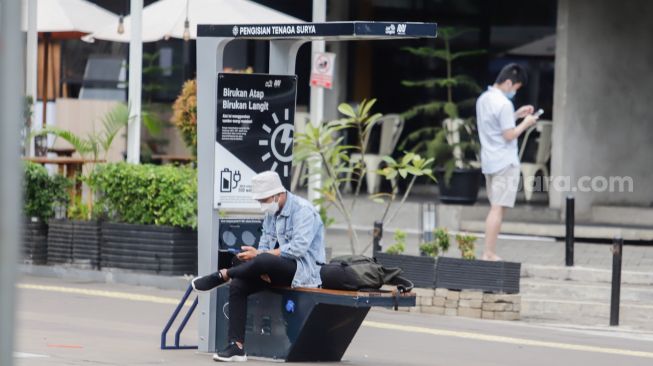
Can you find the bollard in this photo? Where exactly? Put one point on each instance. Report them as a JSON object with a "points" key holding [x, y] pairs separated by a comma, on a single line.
{"points": [[617, 254], [420, 222], [569, 232], [377, 235]]}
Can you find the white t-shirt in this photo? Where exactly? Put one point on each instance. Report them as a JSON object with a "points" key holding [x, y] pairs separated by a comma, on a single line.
{"points": [[495, 114]]}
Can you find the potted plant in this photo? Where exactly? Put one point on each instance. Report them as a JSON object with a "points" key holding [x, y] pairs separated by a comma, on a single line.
{"points": [[453, 143], [151, 217], [43, 195], [469, 273]]}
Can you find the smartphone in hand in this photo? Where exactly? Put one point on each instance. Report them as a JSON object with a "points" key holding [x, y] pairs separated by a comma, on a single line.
{"points": [[539, 112]]}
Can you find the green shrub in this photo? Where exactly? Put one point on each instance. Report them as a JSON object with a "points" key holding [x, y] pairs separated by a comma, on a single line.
{"points": [[466, 243], [77, 210], [400, 243], [184, 114], [439, 243], [42, 192], [147, 194]]}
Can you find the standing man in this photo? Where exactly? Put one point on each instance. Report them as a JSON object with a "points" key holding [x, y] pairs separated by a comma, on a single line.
{"points": [[289, 253], [498, 132]]}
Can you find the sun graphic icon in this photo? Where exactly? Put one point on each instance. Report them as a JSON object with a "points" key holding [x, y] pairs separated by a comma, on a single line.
{"points": [[280, 142]]}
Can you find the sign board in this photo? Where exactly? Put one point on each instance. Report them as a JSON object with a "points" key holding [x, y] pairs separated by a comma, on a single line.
{"points": [[331, 31], [255, 126], [322, 69]]}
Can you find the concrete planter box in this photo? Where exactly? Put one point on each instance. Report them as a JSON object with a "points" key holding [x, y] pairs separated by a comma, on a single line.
{"points": [[60, 241], [75, 242], [157, 249], [455, 273], [486, 276], [418, 269], [35, 241], [87, 240]]}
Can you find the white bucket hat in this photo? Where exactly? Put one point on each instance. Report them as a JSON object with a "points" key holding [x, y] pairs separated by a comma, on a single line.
{"points": [[266, 184]]}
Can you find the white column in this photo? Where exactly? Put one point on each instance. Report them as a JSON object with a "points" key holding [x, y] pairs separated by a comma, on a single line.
{"points": [[135, 80], [316, 106], [559, 160], [210, 58], [31, 62], [11, 105]]}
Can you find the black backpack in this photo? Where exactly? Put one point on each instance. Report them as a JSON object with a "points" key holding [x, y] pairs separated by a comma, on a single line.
{"points": [[357, 272]]}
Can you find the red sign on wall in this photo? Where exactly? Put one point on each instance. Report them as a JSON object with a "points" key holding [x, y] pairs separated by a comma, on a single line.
{"points": [[322, 69]]}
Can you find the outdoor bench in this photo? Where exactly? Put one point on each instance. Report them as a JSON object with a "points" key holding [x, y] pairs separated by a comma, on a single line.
{"points": [[304, 324]]}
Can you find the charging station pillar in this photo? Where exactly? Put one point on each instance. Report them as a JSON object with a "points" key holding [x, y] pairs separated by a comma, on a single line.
{"points": [[285, 40]]}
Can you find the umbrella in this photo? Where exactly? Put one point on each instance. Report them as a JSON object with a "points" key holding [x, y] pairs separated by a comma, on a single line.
{"points": [[179, 18], [543, 47], [69, 18], [65, 19]]}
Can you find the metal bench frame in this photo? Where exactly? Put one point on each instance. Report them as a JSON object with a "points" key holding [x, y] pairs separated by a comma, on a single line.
{"points": [[301, 324]]}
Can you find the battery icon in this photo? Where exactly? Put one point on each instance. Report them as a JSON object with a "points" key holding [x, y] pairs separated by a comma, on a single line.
{"points": [[225, 180]]}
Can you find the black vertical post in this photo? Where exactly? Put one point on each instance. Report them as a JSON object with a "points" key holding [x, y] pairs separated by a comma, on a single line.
{"points": [[569, 232], [377, 235], [617, 251], [420, 223], [185, 71]]}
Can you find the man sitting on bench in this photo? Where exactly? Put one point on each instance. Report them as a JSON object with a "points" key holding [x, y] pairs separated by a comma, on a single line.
{"points": [[289, 253]]}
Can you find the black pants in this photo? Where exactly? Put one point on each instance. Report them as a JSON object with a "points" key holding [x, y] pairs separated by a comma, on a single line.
{"points": [[246, 280]]}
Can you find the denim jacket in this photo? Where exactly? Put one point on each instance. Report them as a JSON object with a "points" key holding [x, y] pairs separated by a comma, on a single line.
{"points": [[299, 232]]}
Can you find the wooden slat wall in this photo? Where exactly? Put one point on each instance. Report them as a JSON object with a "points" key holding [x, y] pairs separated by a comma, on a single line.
{"points": [[82, 116]]}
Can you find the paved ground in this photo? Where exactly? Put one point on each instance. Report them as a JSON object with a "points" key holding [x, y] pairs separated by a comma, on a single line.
{"points": [[81, 323]]}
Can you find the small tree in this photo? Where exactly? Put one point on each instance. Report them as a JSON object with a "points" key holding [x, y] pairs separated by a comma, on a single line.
{"points": [[184, 114], [152, 74], [446, 144], [325, 142]]}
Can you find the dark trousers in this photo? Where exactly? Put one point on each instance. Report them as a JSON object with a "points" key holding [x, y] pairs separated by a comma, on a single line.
{"points": [[246, 280]]}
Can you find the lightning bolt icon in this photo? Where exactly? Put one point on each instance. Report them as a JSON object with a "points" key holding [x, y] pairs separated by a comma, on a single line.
{"points": [[286, 139]]}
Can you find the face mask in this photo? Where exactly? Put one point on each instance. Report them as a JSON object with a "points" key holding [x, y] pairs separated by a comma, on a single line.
{"points": [[510, 94], [270, 208]]}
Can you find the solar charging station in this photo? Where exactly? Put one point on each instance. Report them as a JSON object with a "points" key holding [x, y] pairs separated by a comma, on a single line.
{"points": [[245, 126]]}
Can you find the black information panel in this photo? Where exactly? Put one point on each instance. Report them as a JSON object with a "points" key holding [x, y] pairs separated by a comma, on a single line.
{"points": [[255, 126]]}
